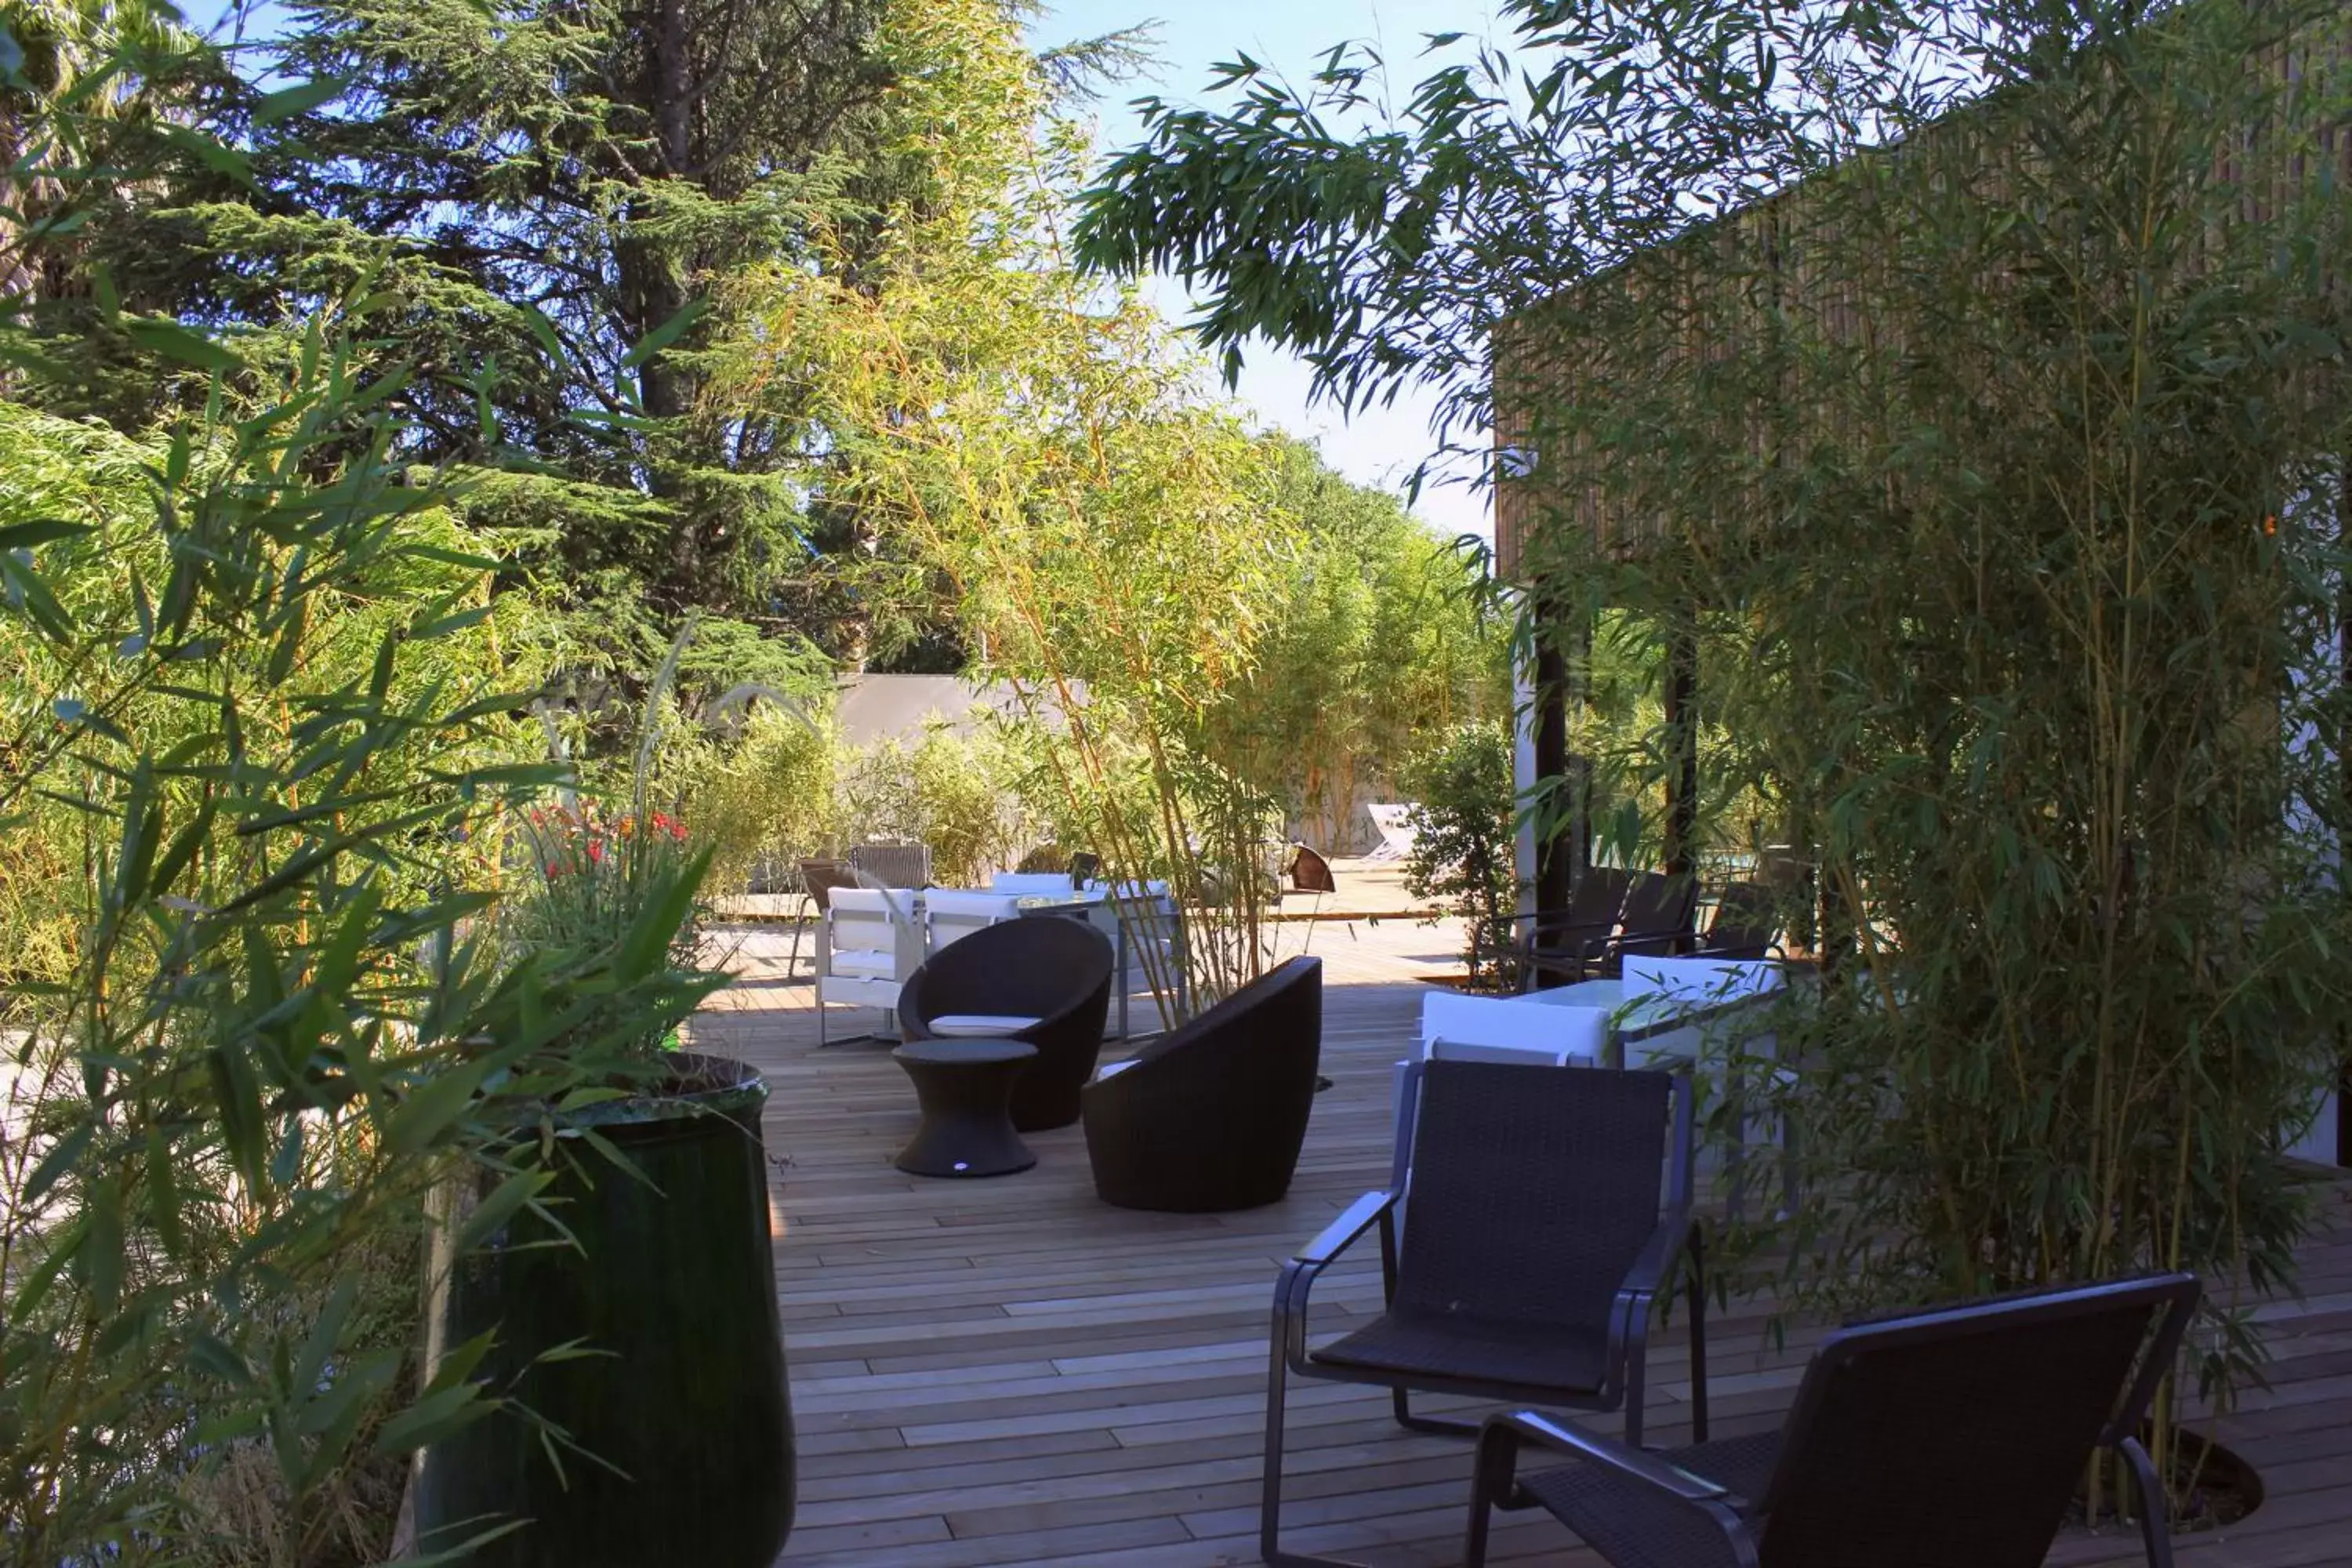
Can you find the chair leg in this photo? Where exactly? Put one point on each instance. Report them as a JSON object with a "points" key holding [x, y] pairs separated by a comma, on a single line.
{"points": [[1637, 1376], [1444, 1424], [1491, 1482], [798, 925], [1698, 1340], [1269, 1514], [2155, 1523]]}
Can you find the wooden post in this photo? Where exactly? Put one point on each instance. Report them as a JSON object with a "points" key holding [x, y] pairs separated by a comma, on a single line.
{"points": [[1559, 856], [2344, 805], [1682, 739]]}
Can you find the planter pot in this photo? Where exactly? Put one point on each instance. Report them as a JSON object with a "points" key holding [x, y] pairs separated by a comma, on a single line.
{"points": [[682, 1397]]}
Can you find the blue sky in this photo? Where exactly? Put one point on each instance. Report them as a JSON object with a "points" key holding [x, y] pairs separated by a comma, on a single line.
{"points": [[1379, 446]]}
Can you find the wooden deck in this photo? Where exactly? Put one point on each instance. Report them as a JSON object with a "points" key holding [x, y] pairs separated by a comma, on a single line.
{"points": [[1009, 1372]]}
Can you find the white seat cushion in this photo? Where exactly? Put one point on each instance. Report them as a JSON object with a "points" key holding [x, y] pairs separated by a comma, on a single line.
{"points": [[865, 962], [1113, 1069], [980, 1026]]}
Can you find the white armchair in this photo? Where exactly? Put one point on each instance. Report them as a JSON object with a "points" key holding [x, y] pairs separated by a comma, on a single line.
{"points": [[873, 940], [1032, 884], [1456, 1027], [948, 915]]}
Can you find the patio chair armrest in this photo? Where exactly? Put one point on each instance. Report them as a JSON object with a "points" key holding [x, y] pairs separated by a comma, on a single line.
{"points": [[1667, 1243], [1359, 1218], [1300, 1274], [1525, 1428], [1773, 953], [1560, 919]]}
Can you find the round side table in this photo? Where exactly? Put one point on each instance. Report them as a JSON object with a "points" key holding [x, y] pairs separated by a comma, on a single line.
{"points": [[965, 1088]]}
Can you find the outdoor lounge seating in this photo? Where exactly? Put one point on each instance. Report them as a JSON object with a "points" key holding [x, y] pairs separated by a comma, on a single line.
{"points": [[1210, 1117], [1454, 1027], [1534, 1246], [1744, 925], [1953, 1437], [818, 879], [1655, 921], [950, 915], [871, 941], [1032, 884], [1557, 941], [1043, 981]]}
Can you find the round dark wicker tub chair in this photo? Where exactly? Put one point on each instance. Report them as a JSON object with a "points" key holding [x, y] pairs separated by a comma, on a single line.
{"points": [[1045, 979], [1210, 1117]]}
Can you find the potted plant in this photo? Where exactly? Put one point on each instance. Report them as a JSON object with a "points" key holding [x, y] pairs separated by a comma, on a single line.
{"points": [[623, 1320]]}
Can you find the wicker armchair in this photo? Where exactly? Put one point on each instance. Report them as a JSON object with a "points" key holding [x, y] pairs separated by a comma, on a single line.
{"points": [[1043, 981], [1954, 1437], [1209, 1116]]}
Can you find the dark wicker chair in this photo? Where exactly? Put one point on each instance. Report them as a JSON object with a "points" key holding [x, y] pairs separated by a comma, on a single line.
{"points": [[1557, 941], [1209, 1116], [818, 879], [1534, 1246], [1746, 925], [1057, 972], [1309, 872], [1654, 923], [1949, 1438]]}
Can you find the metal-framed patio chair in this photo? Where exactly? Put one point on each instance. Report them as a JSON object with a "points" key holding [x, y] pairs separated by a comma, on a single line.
{"points": [[1656, 923], [1951, 1437], [1534, 1244], [1556, 941], [1746, 925]]}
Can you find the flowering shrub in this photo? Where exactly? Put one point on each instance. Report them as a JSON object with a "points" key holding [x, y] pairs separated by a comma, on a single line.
{"points": [[592, 873]]}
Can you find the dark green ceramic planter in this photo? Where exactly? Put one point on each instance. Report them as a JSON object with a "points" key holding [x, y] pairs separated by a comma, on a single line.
{"points": [[677, 1281]]}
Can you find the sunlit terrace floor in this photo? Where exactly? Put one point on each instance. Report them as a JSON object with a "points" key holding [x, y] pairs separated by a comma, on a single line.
{"points": [[1009, 1372]]}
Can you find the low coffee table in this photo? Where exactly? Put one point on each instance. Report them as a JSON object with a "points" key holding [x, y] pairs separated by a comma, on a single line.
{"points": [[965, 1088]]}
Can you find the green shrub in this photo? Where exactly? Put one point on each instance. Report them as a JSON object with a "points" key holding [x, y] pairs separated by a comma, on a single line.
{"points": [[1465, 850], [959, 794], [762, 798], [260, 725]]}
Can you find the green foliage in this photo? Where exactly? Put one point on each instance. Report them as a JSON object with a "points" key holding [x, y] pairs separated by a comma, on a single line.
{"points": [[258, 750], [763, 796], [2026, 601], [1997, 467], [249, 1060], [1464, 847], [1069, 487], [1382, 637], [959, 794]]}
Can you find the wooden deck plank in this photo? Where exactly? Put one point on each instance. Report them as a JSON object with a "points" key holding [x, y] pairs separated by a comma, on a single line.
{"points": [[1009, 1372]]}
